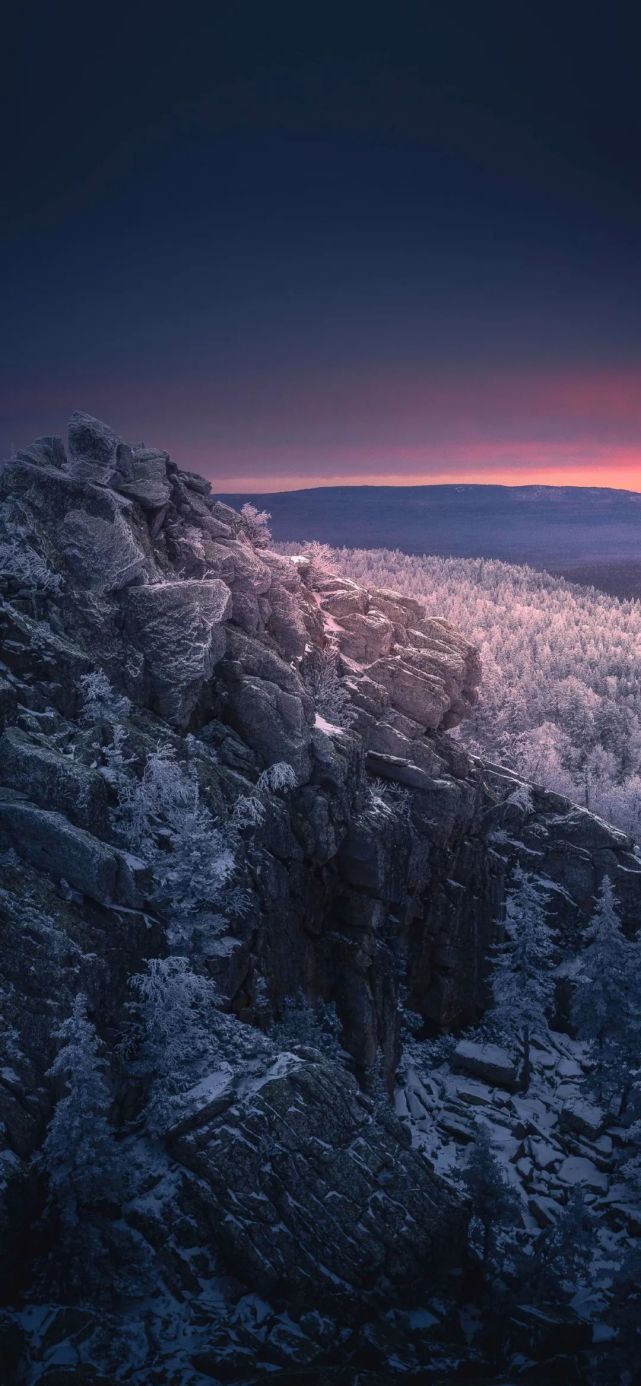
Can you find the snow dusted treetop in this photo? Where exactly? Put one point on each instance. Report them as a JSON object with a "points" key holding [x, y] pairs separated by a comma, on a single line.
{"points": [[184, 1036], [176, 1007]]}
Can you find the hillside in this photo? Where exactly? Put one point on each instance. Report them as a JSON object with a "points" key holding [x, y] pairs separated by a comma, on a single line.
{"points": [[590, 534], [271, 1101]]}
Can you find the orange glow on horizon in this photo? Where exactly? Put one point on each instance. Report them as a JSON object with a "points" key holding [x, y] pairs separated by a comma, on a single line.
{"points": [[626, 480], [482, 465]]}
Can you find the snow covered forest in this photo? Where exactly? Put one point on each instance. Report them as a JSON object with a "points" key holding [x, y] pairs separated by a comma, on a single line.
{"points": [[560, 700]]}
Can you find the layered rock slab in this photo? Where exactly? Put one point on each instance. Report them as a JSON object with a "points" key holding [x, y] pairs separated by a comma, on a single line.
{"points": [[48, 841], [308, 1189]]}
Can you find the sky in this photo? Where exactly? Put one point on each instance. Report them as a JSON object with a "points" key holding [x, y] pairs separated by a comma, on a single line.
{"points": [[307, 244]]}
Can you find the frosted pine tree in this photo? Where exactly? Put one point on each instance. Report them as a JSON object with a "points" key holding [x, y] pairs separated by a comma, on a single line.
{"points": [[80, 1154], [605, 1006], [250, 809], [572, 1241], [331, 696], [494, 1205], [302, 1022], [522, 984], [163, 817], [177, 1011], [560, 1259], [183, 1036]]}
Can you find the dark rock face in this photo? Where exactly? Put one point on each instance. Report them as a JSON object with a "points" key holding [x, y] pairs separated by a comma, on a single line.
{"points": [[349, 893], [301, 1138], [28, 764], [49, 842]]}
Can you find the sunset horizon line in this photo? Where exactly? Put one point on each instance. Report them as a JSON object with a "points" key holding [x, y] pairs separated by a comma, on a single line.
{"points": [[262, 486]]}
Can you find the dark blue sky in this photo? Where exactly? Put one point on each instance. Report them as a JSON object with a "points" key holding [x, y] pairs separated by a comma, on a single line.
{"points": [[297, 243]]}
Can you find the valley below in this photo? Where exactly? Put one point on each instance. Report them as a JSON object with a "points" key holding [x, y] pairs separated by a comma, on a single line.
{"points": [[589, 535]]}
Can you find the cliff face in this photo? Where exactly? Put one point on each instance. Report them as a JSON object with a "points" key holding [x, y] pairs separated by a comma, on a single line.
{"points": [[378, 877]]}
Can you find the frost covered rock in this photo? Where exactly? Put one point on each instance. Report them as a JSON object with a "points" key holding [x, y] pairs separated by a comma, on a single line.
{"points": [[101, 552], [366, 637], [81, 528], [310, 1190], [274, 723], [49, 842], [285, 621], [237, 564], [577, 1169], [584, 1118], [415, 692], [47, 778], [245, 655], [423, 668], [45, 452], [145, 479], [486, 1061], [178, 626], [93, 446]]}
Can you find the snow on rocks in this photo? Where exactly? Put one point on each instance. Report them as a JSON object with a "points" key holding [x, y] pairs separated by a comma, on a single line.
{"points": [[300, 1137], [49, 842], [145, 478], [584, 1118], [396, 656], [544, 1158], [47, 777], [576, 1169], [486, 1061]]}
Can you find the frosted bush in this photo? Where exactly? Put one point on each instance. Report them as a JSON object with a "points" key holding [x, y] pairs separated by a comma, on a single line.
{"points": [[250, 809], [99, 700], [162, 816], [331, 697], [20, 561], [256, 525]]}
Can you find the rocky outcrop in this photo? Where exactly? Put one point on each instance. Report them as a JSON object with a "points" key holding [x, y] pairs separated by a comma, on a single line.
{"points": [[407, 670], [93, 449], [379, 872]]}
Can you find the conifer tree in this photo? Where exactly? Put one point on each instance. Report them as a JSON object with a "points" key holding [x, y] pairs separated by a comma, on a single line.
{"points": [[522, 984], [176, 1007], [80, 1154], [494, 1205], [183, 1036], [605, 1007], [303, 1023]]}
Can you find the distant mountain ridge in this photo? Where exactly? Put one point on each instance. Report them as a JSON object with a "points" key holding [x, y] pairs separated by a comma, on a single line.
{"points": [[591, 534]]}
